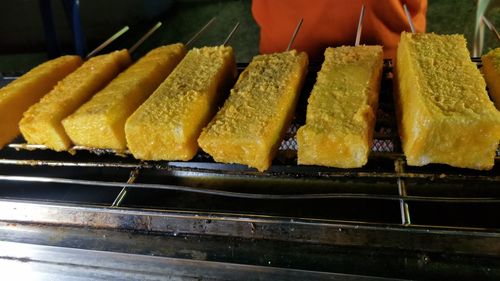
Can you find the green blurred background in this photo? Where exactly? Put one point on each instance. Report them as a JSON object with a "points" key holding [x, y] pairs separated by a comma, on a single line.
{"points": [[23, 44]]}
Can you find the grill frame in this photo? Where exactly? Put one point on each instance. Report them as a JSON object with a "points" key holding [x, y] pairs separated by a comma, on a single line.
{"points": [[386, 178]]}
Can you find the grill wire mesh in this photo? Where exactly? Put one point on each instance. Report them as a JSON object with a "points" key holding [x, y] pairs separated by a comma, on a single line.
{"points": [[398, 193]]}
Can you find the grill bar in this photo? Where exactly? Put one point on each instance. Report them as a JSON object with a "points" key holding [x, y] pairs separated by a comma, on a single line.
{"points": [[282, 171], [405, 212], [321, 231], [223, 193], [97, 151], [59, 163]]}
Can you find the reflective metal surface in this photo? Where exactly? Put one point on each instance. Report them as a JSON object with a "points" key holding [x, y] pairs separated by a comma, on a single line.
{"points": [[35, 262], [305, 230], [345, 248]]}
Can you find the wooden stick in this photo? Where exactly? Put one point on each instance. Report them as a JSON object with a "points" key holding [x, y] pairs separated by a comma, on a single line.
{"points": [[108, 41], [360, 25], [491, 27], [297, 28], [144, 37], [231, 34], [408, 16], [197, 34]]}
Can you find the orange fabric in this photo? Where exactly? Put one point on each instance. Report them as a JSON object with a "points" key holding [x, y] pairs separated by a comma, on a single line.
{"points": [[330, 23]]}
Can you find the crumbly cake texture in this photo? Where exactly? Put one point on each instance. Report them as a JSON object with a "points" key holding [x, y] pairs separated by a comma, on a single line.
{"points": [[250, 126], [100, 122], [19, 95], [41, 124], [491, 70], [444, 112], [342, 108], [167, 125]]}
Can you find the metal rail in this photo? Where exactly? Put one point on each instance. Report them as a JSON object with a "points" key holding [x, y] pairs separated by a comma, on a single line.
{"points": [[405, 212], [61, 263], [320, 231], [230, 194]]}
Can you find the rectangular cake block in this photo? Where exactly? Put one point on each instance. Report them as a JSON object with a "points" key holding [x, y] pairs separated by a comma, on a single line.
{"points": [[41, 124], [251, 124], [100, 122], [26, 90], [444, 113], [167, 125], [342, 108], [491, 70]]}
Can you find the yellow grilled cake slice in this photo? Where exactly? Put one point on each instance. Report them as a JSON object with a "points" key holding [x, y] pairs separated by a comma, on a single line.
{"points": [[342, 108], [251, 124], [41, 124], [26, 90], [491, 70], [444, 113], [100, 122], [167, 125]]}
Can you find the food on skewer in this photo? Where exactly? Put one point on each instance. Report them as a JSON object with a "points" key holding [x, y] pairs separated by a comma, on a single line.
{"points": [[26, 90], [100, 122], [491, 69], [167, 125], [342, 108], [41, 124], [444, 113], [251, 124]]}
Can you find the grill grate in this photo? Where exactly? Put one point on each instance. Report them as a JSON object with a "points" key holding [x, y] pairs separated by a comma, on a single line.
{"points": [[385, 192]]}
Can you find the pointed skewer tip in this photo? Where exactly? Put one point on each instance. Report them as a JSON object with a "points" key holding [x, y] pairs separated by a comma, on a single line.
{"points": [[144, 37], [408, 17], [360, 25], [108, 41], [231, 34], [197, 34], [292, 39]]}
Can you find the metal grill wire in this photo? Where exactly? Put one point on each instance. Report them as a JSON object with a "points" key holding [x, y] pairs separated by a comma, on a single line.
{"points": [[380, 144], [386, 141]]}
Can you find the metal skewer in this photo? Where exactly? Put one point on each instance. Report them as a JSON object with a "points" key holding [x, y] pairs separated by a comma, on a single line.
{"points": [[408, 16], [231, 34], [399, 166], [491, 27], [197, 34], [144, 37], [119, 198], [107, 42], [294, 34], [360, 25]]}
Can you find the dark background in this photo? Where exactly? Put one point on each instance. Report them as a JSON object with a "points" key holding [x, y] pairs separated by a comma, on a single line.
{"points": [[23, 43]]}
